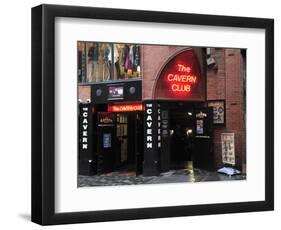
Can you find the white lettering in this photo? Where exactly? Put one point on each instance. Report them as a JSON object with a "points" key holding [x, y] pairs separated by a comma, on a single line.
{"points": [[85, 126], [149, 124], [85, 139], [149, 145], [149, 111], [149, 118], [149, 138]]}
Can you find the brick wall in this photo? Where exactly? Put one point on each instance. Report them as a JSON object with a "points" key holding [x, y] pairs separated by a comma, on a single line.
{"points": [[84, 93], [153, 59], [226, 83]]}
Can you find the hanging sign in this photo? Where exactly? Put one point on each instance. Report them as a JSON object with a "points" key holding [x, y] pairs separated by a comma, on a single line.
{"points": [[228, 148]]}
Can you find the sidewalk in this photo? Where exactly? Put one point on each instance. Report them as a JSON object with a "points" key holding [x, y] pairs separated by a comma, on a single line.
{"points": [[172, 176]]}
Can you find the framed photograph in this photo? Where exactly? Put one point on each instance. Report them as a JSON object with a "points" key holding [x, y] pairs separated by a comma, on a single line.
{"points": [[219, 110], [126, 107]]}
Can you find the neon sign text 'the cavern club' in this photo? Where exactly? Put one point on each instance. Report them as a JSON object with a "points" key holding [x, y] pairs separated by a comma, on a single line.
{"points": [[182, 80]]}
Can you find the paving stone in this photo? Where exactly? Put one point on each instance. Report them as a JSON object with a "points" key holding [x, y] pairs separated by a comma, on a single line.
{"points": [[173, 176]]}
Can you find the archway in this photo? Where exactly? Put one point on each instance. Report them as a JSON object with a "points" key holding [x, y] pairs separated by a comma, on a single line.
{"points": [[181, 79]]}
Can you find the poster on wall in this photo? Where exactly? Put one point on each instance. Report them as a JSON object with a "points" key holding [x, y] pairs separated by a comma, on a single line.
{"points": [[199, 126], [228, 148], [218, 111], [106, 140]]}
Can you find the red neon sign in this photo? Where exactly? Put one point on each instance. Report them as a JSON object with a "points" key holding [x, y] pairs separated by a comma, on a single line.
{"points": [[181, 78], [125, 108]]}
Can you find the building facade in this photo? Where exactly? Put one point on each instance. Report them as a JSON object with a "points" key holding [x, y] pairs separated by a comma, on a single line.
{"points": [[154, 108]]}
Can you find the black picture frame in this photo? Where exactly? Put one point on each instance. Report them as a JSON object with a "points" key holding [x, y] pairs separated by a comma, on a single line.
{"points": [[43, 110]]}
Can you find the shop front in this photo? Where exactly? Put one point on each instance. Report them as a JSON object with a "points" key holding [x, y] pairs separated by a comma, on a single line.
{"points": [[119, 140], [116, 137], [178, 125], [142, 131]]}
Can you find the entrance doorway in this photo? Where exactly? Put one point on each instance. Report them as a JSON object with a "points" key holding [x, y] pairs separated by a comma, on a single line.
{"points": [[203, 157], [129, 134], [181, 135], [120, 143], [191, 137]]}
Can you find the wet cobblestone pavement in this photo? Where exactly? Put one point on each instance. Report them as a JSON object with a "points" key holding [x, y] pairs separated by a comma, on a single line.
{"points": [[172, 176]]}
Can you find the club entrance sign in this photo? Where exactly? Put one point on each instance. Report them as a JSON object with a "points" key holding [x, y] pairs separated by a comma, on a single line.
{"points": [[182, 78], [85, 126]]}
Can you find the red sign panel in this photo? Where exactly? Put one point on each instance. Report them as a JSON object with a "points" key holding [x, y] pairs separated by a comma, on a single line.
{"points": [[181, 78], [125, 108]]}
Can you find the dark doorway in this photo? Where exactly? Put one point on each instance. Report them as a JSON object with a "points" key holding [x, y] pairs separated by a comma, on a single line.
{"points": [[129, 133], [120, 143], [139, 147], [106, 142], [181, 134], [203, 157], [191, 135]]}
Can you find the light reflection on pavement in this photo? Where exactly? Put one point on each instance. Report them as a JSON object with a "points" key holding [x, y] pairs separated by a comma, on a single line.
{"points": [[172, 176]]}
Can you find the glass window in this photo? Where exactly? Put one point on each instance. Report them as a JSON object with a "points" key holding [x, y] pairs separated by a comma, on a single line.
{"points": [[81, 62], [100, 62]]}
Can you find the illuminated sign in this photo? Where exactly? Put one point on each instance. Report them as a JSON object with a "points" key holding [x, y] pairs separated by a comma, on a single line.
{"points": [[125, 108], [181, 78], [149, 137], [85, 115], [85, 132]]}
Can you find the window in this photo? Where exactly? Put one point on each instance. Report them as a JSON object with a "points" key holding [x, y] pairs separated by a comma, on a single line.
{"points": [[101, 62]]}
